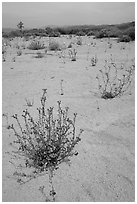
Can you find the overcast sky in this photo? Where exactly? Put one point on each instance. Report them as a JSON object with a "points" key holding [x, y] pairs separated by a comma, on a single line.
{"points": [[36, 14]]}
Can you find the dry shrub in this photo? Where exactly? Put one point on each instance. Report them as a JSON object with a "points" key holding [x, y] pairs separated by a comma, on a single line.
{"points": [[72, 54], [43, 144], [113, 82], [54, 46], [36, 45]]}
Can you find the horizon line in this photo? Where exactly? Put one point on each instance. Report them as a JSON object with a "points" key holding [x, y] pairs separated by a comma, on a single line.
{"points": [[50, 25]]}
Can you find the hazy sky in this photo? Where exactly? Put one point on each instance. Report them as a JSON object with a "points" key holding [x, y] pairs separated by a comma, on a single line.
{"points": [[37, 14]]}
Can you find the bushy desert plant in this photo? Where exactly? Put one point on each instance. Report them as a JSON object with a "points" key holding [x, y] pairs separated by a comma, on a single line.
{"points": [[36, 45], [113, 82], [54, 46], [44, 143]]}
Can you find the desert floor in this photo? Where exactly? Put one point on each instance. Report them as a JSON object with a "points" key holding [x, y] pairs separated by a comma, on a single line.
{"points": [[104, 169]]}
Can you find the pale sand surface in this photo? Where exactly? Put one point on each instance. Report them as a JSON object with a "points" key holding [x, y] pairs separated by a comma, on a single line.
{"points": [[104, 169]]}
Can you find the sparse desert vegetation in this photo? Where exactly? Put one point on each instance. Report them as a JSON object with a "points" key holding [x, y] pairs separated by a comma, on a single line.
{"points": [[91, 70]]}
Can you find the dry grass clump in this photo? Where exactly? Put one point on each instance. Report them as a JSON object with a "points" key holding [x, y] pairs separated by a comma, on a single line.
{"points": [[113, 82], [44, 143], [73, 54], [54, 46], [36, 45]]}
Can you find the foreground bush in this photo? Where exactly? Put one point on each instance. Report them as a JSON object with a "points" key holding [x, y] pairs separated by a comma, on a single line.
{"points": [[36, 45], [43, 144]]}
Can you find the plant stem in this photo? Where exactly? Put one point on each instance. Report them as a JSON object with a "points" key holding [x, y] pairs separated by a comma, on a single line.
{"points": [[52, 191]]}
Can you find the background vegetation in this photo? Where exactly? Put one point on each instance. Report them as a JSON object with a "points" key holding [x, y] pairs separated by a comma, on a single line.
{"points": [[124, 31]]}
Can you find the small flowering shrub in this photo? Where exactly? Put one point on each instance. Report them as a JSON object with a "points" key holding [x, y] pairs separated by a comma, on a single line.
{"points": [[43, 144]]}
